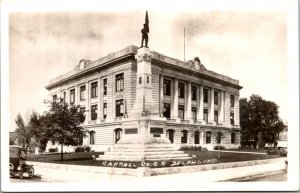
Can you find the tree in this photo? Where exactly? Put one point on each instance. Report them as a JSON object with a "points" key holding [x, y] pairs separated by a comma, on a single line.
{"points": [[62, 123], [23, 133], [259, 120], [39, 130]]}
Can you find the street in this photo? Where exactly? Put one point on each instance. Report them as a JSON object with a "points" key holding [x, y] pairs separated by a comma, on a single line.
{"points": [[272, 177]]}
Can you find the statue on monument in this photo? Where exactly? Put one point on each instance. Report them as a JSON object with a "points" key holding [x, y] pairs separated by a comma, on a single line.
{"points": [[145, 31]]}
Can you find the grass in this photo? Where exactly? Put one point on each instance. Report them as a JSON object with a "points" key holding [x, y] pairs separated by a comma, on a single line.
{"points": [[224, 157], [85, 158]]}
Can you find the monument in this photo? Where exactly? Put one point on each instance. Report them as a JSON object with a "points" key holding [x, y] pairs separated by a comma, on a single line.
{"points": [[144, 138]]}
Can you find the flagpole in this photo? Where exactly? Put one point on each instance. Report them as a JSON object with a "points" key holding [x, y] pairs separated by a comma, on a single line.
{"points": [[183, 44]]}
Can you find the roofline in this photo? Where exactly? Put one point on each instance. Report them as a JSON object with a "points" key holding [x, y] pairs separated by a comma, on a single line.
{"points": [[129, 53]]}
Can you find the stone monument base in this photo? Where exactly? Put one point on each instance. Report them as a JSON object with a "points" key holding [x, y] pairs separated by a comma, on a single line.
{"points": [[143, 147]]}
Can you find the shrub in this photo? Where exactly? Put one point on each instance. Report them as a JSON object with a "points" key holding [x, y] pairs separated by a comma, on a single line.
{"points": [[219, 147], [53, 149], [281, 152], [190, 148], [79, 149], [87, 148]]}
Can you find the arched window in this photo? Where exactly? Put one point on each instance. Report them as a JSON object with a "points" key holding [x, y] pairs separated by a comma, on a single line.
{"points": [[208, 137], [233, 137], [170, 135], [92, 137], [118, 134], [184, 136], [219, 137], [196, 137]]}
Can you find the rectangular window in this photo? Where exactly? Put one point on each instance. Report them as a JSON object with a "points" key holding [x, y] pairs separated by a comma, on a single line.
{"points": [[82, 93], [104, 86], [64, 97], [72, 96], [104, 110], [181, 90], [94, 90], [194, 93], [216, 98], [167, 87], [148, 79], [232, 118], [167, 111], [82, 109], [140, 80], [119, 82], [119, 108], [194, 113], [216, 116], [181, 111], [205, 95], [94, 111], [54, 98], [231, 100], [205, 115]]}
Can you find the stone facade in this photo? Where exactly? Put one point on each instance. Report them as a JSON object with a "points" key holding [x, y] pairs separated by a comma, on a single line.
{"points": [[192, 105]]}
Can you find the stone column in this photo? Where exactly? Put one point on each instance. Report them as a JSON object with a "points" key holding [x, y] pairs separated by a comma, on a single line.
{"points": [[87, 103], [221, 111], [201, 138], [211, 106], [200, 107], [175, 99], [161, 95], [188, 102], [236, 110], [100, 100]]}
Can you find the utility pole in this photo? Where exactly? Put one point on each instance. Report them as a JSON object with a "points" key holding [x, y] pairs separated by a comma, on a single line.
{"points": [[183, 44]]}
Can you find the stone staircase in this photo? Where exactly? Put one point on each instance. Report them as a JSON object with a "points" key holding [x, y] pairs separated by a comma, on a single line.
{"points": [[145, 151]]}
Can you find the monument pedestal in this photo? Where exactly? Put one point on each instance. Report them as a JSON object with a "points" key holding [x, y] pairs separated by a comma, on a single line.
{"points": [[144, 138]]}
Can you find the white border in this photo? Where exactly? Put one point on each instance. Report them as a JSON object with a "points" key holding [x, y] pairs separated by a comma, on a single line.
{"points": [[167, 6]]}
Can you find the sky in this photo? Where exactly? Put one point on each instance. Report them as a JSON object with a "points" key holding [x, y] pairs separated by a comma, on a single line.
{"points": [[250, 46]]}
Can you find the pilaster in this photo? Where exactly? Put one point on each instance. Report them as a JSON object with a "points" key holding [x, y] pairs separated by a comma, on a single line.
{"points": [[175, 99], [188, 102], [211, 106]]}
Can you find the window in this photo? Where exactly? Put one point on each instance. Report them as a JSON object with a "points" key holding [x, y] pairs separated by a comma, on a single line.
{"points": [[82, 93], [82, 109], [94, 111], [233, 136], [167, 110], [232, 118], [205, 115], [196, 137], [216, 116], [104, 110], [167, 87], [181, 112], [92, 137], [231, 100], [54, 98], [64, 97], [216, 98], [181, 90], [118, 134], [94, 90], [170, 135], [119, 82], [219, 137], [194, 93], [205, 95], [119, 108], [72, 96], [140, 80], [184, 136], [194, 113], [148, 79], [208, 137], [104, 86]]}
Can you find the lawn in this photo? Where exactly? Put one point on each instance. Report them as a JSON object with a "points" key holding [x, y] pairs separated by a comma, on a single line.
{"points": [[85, 158]]}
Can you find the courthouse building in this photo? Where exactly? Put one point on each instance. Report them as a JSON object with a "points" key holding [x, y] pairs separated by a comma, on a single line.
{"points": [[195, 106]]}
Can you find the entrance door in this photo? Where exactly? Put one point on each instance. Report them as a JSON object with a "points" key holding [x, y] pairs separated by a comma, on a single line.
{"points": [[170, 135]]}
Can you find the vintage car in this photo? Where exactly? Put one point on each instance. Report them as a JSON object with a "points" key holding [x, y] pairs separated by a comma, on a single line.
{"points": [[17, 162]]}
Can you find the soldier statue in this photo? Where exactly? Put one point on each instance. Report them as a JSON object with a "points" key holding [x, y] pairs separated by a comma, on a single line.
{"points": [[145, 31]]}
